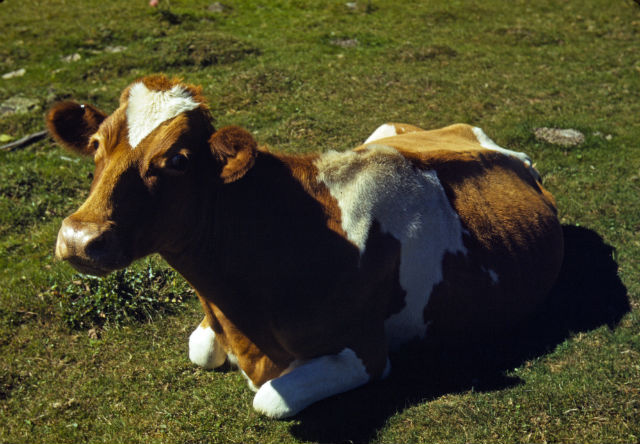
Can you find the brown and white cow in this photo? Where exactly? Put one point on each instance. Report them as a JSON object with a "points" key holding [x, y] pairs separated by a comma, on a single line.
{"points": [[311, 268]]}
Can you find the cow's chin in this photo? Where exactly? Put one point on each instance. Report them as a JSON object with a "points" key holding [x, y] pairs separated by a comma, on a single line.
{"points": [[93, 268]]}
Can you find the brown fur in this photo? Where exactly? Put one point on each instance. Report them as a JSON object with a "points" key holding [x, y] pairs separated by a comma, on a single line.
{"points": [[495, 206]]}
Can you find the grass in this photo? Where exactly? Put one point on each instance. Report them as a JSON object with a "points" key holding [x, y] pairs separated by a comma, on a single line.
{"points": [[124, 297], [306, 76]]}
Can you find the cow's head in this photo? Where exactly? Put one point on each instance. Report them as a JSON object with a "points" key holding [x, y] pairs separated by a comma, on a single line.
{"points": [[158, 164]]}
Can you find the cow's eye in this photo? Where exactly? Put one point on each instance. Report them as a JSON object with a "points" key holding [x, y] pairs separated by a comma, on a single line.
{"points": [[178, 163]]}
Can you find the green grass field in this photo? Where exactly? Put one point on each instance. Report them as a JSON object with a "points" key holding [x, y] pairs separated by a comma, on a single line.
{"points": [[309, 76]]}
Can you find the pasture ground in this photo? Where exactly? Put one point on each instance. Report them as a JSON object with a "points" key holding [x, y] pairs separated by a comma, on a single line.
{"points": [[306, 76]]}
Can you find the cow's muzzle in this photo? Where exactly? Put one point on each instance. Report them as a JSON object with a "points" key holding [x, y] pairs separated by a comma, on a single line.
{"points": [[90, 247]]}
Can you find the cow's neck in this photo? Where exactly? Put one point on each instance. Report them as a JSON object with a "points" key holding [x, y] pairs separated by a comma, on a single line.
{"points": [[244, 222]]}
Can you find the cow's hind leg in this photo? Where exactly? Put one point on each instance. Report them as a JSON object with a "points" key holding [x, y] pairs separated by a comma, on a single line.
{"points": [[489, 144], [309, 382], [391, 129], [204, 349]]}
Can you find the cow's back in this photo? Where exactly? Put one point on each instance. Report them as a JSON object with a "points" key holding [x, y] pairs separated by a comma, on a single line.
{"points": [[513, 238], [482, 253], [511, 233]]}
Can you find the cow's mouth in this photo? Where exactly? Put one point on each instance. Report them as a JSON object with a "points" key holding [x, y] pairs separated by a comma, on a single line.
{"points": [[89, 267]]}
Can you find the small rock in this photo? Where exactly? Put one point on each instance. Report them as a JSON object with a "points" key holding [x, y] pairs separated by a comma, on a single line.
{"points": [[93, 334], [52, 95], [17, 73], [72, 58], [114, 49], [351, 5], [18, 105], [556, 136], [608, 137], [217, 7], [345, 43]]}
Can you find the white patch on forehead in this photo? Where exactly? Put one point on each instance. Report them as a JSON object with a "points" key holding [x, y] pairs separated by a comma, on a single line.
{"points": [[147, 109], [489, 144], [381, 132], [410, 204]]}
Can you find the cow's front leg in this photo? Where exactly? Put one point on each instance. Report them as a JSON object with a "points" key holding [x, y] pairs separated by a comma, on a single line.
{"points": [[309, 382], [204, 349]]}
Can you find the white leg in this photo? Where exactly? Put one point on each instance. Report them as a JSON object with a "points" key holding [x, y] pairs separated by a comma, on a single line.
{"points": [[312, 381], [204, 349], [382, 132]]}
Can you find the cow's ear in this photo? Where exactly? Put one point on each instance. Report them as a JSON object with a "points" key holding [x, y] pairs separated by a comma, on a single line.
{"points": [[72, 124], [235, 149]]}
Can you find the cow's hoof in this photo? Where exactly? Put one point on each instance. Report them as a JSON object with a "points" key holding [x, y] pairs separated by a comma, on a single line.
{"points": [[270, 403], [204, 349]]}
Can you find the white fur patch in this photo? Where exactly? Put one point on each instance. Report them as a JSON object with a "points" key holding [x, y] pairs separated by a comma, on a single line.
{"points": [[233, 359], [381, 132], [495, 279], [147, 109], [252, 386], [204, 349], [489, 144], [380, 184], [311, 381]]}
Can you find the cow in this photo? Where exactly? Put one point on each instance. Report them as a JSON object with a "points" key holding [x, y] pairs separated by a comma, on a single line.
{"points": [[311, 268]]}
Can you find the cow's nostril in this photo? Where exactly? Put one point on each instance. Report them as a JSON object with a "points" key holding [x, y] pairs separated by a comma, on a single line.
{"points": [[84, 240], [103, 248], [90, 247], [96, 247]]}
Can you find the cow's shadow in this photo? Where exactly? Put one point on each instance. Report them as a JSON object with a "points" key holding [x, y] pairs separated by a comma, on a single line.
{"points": [[588, 295]]}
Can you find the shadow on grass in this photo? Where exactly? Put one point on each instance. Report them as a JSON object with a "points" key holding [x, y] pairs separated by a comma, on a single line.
{"points": [[588, 295]]}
